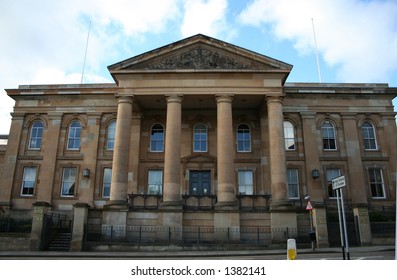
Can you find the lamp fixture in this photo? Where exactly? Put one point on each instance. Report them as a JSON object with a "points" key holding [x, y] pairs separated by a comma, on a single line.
{"points": [[315, 173], [86, 173]]}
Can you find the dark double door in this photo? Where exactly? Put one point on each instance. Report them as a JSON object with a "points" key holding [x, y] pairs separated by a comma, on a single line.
{"points": [[200, 182]]}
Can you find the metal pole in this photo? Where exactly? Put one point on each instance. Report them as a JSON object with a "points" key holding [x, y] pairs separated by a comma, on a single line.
{"points": [[342, 242], [344, 225], [311, 225], [395, 238]]}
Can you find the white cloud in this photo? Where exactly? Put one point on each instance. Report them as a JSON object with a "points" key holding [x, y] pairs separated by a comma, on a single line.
{"points": [[204, 16], [44, 40], [357, 37]]}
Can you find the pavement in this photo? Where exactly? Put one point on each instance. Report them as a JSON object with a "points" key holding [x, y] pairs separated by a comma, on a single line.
{"points": [[178, 254]]}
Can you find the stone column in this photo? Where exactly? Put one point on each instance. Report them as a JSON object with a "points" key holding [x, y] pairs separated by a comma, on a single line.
{"points": [[226, 216], [118, 189], [283, 216], [80, 216], [278, 170], [225, 148], [172, 159]]}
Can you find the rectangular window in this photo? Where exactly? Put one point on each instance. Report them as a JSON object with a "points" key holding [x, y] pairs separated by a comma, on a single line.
{"points": [[243, 138], [155, 182], [68, 186], [28, 181], [200, 138], [289, 136], [376, 183], [293, 183], [332, 173], [246, 182], [107, 178]]}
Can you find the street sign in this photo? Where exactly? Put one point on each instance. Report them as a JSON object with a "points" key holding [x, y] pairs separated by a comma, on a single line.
{"points": [[338, 182], [309, 206]]}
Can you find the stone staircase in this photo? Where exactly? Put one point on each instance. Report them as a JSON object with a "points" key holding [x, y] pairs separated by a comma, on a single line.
{"points": [[61, 242]]}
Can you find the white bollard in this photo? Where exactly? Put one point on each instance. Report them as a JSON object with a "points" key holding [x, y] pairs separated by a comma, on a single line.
{"points": [[291, 249]]}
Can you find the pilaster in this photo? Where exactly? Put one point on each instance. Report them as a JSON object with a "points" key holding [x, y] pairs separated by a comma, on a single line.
{"points": [[50, 150]]}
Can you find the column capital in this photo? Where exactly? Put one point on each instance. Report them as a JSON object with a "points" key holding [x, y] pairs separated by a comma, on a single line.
{"points": [[178, 98], [125, 99], [270, 98], [227, 97]]}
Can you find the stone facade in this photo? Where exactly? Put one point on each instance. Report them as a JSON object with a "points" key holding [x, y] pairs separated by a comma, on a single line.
{"points": [[208, 134]]}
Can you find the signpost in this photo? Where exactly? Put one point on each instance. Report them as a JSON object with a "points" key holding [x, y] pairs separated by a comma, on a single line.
{"points": [[337, 185], [312, 233]]}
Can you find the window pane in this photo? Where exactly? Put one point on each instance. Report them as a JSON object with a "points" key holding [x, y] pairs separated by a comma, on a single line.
{"points": [[328, 135], [68, 181], [376, 183], [36, 135], [293, 183], [107, 178], [74, 136], [157, 138], [289, 136], [200, 138], [155, 181], [245, 182], [243, 138], [29, 180], [111, 135], [368, 135], [332, 173]]}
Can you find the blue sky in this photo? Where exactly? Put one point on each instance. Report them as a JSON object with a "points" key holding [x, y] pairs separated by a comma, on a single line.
{"points": [[44, 41]]}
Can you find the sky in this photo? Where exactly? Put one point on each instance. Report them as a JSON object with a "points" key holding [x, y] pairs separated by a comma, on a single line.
{"points": [[45, 41]]}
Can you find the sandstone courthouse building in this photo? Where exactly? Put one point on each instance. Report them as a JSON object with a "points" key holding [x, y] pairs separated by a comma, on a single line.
{"points": [[200, 139]]}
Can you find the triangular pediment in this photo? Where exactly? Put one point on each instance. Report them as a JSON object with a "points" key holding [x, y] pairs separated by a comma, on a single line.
{"points": [[199, 158], [200, 52]]}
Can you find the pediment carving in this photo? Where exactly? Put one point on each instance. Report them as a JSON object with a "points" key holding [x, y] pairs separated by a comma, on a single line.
{"points": [[199, 58]]}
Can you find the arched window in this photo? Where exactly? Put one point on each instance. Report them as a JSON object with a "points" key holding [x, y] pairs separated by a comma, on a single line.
{"points": [[74, 136], [200, 138], [328, 135], [111, 133], [289, 136], [36, 133], [243, 138], [157, 138], [369, 136]]}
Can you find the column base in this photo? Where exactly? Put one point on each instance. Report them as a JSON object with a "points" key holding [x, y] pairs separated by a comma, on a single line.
{"points": [[283, 222], [226, 206], [281, 206], [227, 226], [171, 206]]}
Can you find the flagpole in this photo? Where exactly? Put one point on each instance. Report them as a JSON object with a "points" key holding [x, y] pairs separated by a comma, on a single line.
{"points": [[315, 45], [85, 53]]}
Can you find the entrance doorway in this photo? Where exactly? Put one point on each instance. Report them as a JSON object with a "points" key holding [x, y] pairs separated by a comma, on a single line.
{"points": [[200, 182]]}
